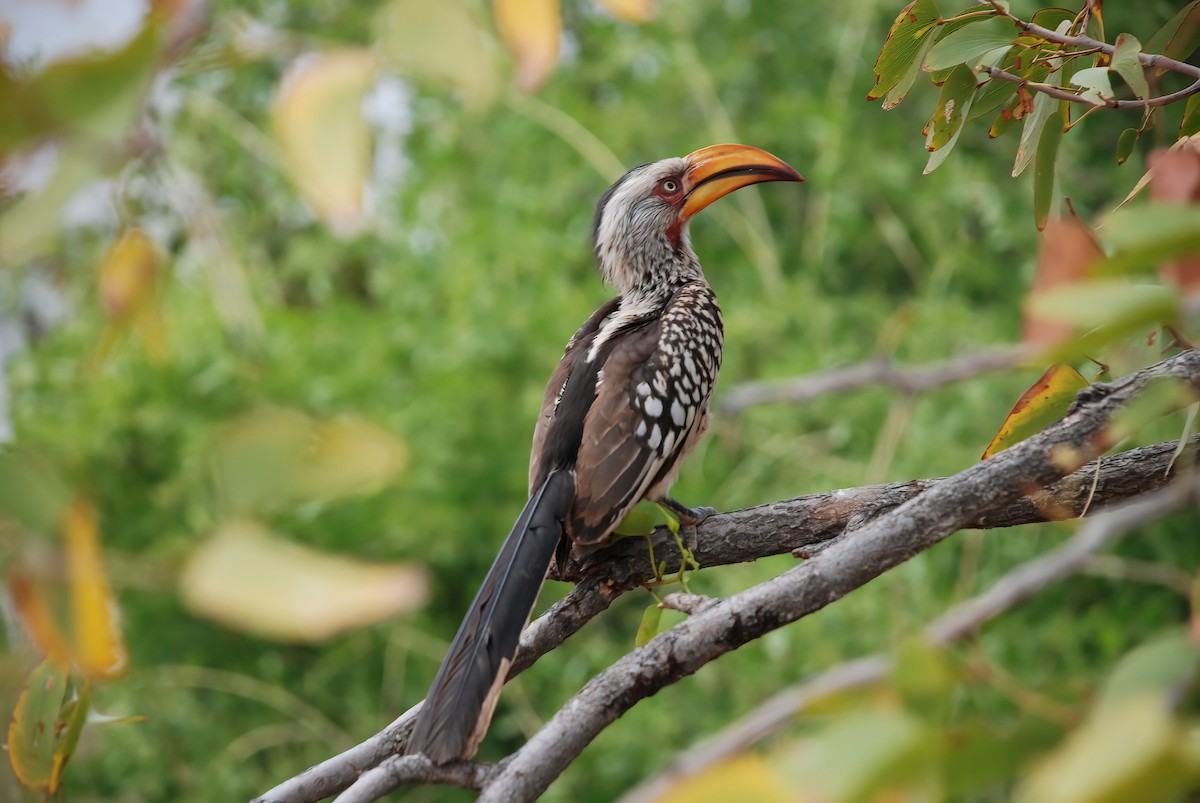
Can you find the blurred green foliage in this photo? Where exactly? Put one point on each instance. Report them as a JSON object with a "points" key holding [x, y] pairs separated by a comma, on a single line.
{"points": [[441, 319]]}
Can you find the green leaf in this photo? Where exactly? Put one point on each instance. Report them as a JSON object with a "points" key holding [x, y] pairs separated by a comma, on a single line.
{"points": [[1031, 133], [1043, 169], [32, 491], [969, 43], [1166, 665], [1143, 236], [1180, 37], [648, 628], [862, 754], [99, 93], [638, 522], [982, 754], [924, 677], [1115, 306], [1002, 124], [954, 103], [996, 92], [1190, 124], [1052, 17], [74, 716], [1128, 751], [1045, 402], [33, 731], [1126, 143], [1096, 84], [911, 34], [1125, 61], [1159, 398]]}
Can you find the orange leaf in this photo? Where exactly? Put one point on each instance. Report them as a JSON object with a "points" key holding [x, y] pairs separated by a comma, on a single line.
{"points": [[29, 600], [1046, 401], [99, 650], [1068, 248], [531, 29], [1175, 179]]}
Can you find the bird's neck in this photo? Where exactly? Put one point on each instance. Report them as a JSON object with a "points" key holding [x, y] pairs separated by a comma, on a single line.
{"points": [[648, 277]]}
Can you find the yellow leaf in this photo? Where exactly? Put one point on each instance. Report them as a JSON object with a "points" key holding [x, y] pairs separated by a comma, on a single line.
{"points": [[99, 652], [32, 732], [324, 142], [439, 41], [1126, 751], [251, 580], [351, 456], [748, 778], [532, 30], [128, 281], [1046, 401], [630, 10], [128, 275], [273, 456]]}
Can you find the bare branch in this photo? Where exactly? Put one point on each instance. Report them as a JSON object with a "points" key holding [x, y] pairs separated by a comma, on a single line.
{"points": [[879, 371], [688, 603], [592, 596], [807, 524], [957, 623], [882, 544], [1151, 61], [898, 521], [399, 771]]}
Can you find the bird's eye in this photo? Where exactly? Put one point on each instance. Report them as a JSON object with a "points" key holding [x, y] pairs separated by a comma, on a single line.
{"points": [[670, 186]]}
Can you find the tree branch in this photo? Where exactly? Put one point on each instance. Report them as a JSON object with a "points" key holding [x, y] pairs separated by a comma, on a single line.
{"points": [[959, 622], [880, 545], [879, 371], [1152, 61], [892, 522]]}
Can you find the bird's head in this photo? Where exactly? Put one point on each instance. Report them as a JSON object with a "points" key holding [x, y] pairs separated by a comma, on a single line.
{"points": [[640, 229]]}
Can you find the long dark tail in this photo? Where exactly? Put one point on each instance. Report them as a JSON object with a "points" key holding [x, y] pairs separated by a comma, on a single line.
{"points": [[459, 706]]}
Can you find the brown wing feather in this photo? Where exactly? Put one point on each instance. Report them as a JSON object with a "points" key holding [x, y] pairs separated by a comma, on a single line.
{"points": [[576, 350], [614, 466]]}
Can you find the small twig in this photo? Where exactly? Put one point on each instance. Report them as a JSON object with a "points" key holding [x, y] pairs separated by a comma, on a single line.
{"points": [[996, 492], [1140, 571], [399, 771], [880, 371], [1028, 700], [875, 548], [957, 623], [1152, 61], [816, 520], [590, 597], [687, 603]]}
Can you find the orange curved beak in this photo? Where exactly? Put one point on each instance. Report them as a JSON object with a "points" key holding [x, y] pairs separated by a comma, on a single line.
{"points": [[718, 170]]}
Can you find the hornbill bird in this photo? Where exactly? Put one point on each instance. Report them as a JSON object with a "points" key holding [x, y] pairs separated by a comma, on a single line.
{"points": [[627, 402]]}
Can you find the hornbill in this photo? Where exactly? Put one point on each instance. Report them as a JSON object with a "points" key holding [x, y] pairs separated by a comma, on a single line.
{"points": [[627, 402]]}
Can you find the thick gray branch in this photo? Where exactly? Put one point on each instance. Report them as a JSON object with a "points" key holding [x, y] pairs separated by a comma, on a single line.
{"points": [[1009, 591], [797, 524], [881, 544], [807, 523]]}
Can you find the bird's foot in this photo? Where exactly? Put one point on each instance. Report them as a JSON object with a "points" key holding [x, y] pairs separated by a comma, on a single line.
{"points": [[688, 516], [682, 521]]}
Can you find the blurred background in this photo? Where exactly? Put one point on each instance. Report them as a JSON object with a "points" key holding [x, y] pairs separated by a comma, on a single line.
{"points": [[281, 286]]}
